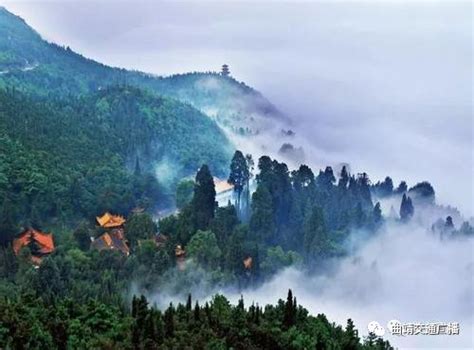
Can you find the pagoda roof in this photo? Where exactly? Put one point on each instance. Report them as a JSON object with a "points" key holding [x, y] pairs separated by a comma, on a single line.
{"points": [[44, 241], [108, 220]]}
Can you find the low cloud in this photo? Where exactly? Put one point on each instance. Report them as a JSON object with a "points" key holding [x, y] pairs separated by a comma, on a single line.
{"points": [[405, 273]]}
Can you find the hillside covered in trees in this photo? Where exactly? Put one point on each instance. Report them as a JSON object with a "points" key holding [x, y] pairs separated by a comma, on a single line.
{"points": [[33, 65], [87, 155], [215, 325], [67, 159]]}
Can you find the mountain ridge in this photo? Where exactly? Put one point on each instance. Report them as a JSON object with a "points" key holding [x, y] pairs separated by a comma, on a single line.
{"points": [[35, 65]]}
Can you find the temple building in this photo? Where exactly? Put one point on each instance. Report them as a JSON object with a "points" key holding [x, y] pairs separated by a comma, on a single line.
{"points": [[40, 244], [109, 221], [114, 240]]}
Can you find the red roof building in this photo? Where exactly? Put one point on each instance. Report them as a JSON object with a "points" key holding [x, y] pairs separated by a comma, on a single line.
{"points": [[40, 243]]}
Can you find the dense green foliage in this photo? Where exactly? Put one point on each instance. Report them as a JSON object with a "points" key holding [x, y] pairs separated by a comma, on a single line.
{"points": [[27, 323], [34, 65], [70, 159], [78, 138]]}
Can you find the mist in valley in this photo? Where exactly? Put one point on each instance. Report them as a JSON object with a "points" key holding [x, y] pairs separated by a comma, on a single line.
{"points": [[385, 87]]}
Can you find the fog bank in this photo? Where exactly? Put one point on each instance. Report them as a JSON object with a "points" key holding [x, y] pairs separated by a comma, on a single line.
{"points": [[404, 274], [383, 85]]}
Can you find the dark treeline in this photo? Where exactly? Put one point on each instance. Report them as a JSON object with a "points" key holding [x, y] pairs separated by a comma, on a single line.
{"points": [[294, 217], [29, 323]]}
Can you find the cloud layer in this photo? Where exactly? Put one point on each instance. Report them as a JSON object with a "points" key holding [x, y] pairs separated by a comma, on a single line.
{"points": [[385, 86]]}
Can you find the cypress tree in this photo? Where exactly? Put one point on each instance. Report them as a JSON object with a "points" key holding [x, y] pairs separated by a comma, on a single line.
{"points": [[406, 208], [239, 175], [169, 321], [288, 317], [204, 200], [189, 304], [197, 312], [344, 179], [377, 213]]}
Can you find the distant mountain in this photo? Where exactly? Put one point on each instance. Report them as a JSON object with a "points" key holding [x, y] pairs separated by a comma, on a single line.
{"points": [[31, 64]]}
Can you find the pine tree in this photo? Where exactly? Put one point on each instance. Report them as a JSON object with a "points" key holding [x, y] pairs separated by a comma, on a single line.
{"points": [[302, 178], [406, 208], [204, 200], [350, 340], [197, 312], [239, 175], [315, 236], [262, 223], [169, 322], [344, 179], [189, 303], [289, 311], [377, 213], [402, 188]]}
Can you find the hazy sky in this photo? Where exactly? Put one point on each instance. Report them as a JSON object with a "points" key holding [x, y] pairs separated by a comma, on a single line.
{"points": [[385, 86]]}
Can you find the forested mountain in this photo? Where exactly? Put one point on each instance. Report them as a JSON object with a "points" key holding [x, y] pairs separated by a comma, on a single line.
{"points": [[34, 65], [77, 132], [89, 152], [76, 157]]}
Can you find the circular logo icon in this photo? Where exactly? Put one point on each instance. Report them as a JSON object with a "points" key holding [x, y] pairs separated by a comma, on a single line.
{"points": [[376, 328]]}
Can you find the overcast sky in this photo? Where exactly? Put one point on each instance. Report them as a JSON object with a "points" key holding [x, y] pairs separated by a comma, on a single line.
{"points": [[385, 86]]}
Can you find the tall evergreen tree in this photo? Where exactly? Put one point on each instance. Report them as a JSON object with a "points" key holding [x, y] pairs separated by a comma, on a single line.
{"points": [[302, 178], [204, 200], [239, 175], [289, 316], [169, 322], [377, 213], [350, 340], [344, 179], [406, 208], [315, 235], [402, 188], [262, 223]]}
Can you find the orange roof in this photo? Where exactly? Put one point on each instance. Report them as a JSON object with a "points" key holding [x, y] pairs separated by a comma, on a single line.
{"points": [[43, 240], [222, 185], [109, 220]]}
